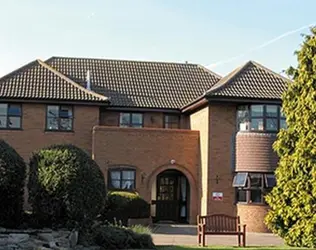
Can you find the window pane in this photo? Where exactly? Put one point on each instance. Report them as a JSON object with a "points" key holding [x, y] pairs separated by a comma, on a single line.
{"points": [[14, 122], [52, 123], [137, 119], [256, 124], [3, 109], [65, 124], [255, 180], [256, 196], [124, 119], [171, 119], [127, 184], [256, 110], [65, 112], [272, 110], [243, 118], [3, 121], [240, 180], [52, 111], [283, 123], [272, 124], [282, 115], [172, 125], [14, 110], [128, 175], [270, 180], [241, 195]]}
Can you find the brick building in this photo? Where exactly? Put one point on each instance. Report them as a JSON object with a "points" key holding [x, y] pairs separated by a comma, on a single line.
{"points": [[189, 141]]}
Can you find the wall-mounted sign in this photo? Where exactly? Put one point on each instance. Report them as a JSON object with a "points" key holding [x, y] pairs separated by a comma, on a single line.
{"points": [[217, 196]]}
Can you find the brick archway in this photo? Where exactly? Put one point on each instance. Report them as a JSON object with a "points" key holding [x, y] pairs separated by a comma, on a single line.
{"points": [[194, 204]]}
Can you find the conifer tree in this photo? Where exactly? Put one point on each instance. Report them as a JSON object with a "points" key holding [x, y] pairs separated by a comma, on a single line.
{"points": [[293, 199]]}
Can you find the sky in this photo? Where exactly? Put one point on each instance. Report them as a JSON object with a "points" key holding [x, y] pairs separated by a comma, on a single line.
{"points": [[220, 35]]}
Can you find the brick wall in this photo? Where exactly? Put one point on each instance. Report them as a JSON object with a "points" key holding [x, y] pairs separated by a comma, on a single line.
{"points": [[221, 132], [253, 216], [33, 136], [255, 152], [200, 121], [150, 152]]}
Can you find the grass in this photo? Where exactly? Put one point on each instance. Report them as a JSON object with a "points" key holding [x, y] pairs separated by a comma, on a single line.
{"points": [[221, 248]]}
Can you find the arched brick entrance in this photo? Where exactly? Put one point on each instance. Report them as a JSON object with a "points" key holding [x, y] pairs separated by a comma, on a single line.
{"points": [[174, 173]]}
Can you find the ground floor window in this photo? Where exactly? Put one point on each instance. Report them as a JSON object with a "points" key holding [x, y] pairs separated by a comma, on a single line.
{"points": [[252, 187], [121, 178]]}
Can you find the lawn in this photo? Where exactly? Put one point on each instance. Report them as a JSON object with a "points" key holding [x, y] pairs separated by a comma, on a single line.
{"points": [[221, 248]]}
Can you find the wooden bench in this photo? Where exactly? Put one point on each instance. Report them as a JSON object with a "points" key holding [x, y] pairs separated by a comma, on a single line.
{"points": [[220, 224]]}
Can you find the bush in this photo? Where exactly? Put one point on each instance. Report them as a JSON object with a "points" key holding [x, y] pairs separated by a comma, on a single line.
{"points": [[113, 237], [66, 186], [123, 205], [12, 178]]}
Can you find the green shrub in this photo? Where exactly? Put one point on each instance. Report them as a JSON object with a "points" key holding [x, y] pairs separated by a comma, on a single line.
{"points": [[123, 205], [66, 186], [140, 229], [113, 237], [293, 200], [12, 178]]}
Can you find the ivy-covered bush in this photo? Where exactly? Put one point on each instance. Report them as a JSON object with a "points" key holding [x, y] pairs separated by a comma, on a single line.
{"points": [[12, 179], [123, 205], [66, 187], [293, 199], [115, 237]]}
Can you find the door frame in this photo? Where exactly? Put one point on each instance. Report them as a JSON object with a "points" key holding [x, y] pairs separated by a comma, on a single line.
{"points": [[177, 186]]}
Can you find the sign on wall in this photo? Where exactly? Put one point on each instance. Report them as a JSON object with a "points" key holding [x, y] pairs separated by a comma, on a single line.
{"points": [[217, 196]]}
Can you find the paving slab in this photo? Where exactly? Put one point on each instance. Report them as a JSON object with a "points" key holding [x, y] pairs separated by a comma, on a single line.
{"points": [[173, 234]]}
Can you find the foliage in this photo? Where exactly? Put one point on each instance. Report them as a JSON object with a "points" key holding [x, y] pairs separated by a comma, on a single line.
{"points": [[123, 205], [293, 200], [140, 229], [66, 186], [12, 178], [114, 237]]}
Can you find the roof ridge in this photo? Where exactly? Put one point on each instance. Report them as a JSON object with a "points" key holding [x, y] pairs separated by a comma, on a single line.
{"points": [[229, 78], [269, 70], [43, 64], [121, 60], [209, 71]]}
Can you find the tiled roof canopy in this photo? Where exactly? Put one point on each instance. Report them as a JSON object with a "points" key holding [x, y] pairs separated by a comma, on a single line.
{"points": [[137, 83], [38, 81], [251, 81]]}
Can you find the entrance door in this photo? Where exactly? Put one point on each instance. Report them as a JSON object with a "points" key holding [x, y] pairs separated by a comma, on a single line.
{"points": [[167, 203]]}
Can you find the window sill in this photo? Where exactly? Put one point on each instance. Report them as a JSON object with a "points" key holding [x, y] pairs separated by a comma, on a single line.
{"points": [[258, 131], [251, 204], [11, 129], [56, 130], [122, 190]]}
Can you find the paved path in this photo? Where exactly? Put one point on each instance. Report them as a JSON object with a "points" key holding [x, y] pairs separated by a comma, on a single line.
{"points": [[171, 234]]}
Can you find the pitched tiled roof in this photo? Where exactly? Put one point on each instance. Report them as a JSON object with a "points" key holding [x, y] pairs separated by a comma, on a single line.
{"points": [[38, 81], [253, 81], [139, 83]]}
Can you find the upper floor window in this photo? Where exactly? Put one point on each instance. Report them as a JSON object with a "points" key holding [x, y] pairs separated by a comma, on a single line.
{"points": [[10, 116], [171, 121], [260, 118], [59, 118], [252, 187], [121, 178], [134, 120]]}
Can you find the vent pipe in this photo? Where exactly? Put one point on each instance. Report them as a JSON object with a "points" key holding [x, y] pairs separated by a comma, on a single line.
{"points": [[88, 80]]}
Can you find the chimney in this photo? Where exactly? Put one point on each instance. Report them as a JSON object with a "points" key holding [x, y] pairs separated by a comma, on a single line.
{"points": [[88, 86]]}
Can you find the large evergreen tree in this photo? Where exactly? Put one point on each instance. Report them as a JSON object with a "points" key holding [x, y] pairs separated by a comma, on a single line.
{"points": [[293, 200]]}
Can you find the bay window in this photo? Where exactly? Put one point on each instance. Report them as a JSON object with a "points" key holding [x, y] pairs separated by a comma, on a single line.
{"points": [[260, 118], [252, 187]]}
